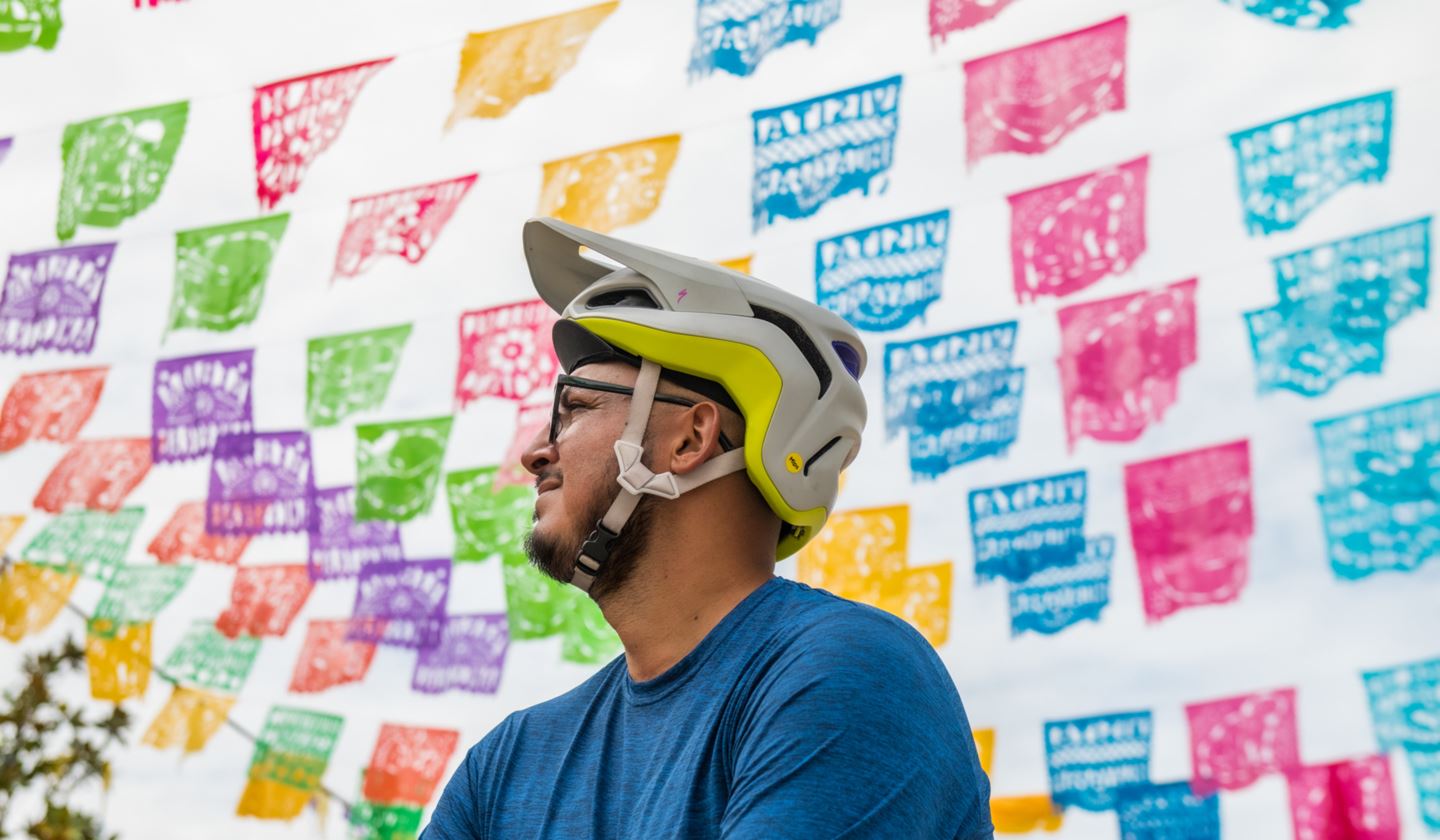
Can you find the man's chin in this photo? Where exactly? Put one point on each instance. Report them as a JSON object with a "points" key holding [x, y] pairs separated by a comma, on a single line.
{"points": [[547, 555]]}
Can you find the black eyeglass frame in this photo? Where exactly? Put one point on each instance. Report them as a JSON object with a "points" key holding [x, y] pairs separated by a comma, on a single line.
{"points": [[568, 381]]}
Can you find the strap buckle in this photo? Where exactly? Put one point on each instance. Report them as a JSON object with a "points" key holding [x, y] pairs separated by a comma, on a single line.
{"points": [[596, 549]]}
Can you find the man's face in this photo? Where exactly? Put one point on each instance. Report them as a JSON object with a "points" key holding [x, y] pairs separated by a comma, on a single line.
{"points": [[576, 480]]}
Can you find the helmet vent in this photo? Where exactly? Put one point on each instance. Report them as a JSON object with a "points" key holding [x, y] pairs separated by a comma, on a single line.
{"points": [[801, 340], [637, 298], [848, 357], [810, 462]]}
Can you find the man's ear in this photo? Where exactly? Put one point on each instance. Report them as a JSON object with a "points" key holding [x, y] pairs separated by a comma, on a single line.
{"points": [[696, 437]]}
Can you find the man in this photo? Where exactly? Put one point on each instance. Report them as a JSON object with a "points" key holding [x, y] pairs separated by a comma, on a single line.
{"points": [[697, 437]]}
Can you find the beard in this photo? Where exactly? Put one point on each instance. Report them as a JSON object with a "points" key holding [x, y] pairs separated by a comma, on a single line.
{"points": [[555, 555]]}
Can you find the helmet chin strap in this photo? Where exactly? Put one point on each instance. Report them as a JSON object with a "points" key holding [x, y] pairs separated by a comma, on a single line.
{"points": [[636, 479]]}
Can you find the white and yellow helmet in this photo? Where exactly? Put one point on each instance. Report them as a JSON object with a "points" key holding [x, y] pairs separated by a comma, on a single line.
{"points": [[790, 367]]}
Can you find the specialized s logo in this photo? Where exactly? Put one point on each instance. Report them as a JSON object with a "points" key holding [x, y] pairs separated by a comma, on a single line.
{"points": [[680, 295]]}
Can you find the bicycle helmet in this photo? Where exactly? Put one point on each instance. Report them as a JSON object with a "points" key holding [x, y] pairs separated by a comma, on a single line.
{"points": [[789, 367]]}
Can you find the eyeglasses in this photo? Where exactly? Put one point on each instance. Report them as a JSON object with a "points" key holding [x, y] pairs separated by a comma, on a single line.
{"points": [[567, 381]]}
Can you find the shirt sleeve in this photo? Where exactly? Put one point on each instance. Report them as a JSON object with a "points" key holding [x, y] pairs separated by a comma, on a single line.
{"points": [[856, 731], [457, 814]]}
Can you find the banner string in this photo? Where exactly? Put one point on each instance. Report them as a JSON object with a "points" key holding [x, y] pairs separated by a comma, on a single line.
{"points": [[155, 667], [328, 204]]}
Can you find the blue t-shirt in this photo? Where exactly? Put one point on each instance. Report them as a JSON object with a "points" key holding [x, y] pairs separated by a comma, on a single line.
{"points": [[800, 715]]}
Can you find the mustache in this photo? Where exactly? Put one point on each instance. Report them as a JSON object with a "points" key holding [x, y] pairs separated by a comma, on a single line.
{"points": [[546, 475]]}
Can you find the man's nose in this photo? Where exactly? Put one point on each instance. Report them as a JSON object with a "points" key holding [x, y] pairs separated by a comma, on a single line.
{"points": [[539, 453]]}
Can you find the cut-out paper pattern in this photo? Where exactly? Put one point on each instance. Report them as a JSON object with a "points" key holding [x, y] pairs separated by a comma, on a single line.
{"points": [[90, 542], [735, 35], [264, 600], [1024, 814], [267, 799], [408, 763], [1425, 769], [220, 273], [537, 607], [947, 16], [1068, 236], [95, 474], [30, 597], [1028, 526], [116, 166], [1166, 812], [350, 373], [118, 659], [609, 188], [30, 23], [508, 352], [487, 519], [375, 821], [206, 659], [809, 152], [1235, 741], [533, 602], [328, 658], [9, 527], [1378, 504], [188, 720], [886, 276], [397, 467], [1191, 519], [1346, 799], [291, 754], [957, 395], [1121, 358], [862, 555], [137, 594], [502, 67], [53, 405], [1091, 758], [184, 538], [1055, 598], [1029, 98], [402, 602], [856, 552], [532, 419], [51, 299], [1299, 14], [260, 484], [1293, 165], [297, 119], [339, 545], [197, 399], [1338, 301], [404, 223], [586, 638], [1405, 705]]}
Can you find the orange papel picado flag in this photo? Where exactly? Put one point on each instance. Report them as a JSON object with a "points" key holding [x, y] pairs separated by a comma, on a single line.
{"points": [[503, 66], [609, 188]]}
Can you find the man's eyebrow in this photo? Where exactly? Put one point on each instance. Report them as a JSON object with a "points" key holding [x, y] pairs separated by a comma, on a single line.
{"points": [[577, 393]]}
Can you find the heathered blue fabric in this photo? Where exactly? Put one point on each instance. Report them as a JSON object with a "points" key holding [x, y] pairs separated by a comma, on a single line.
{"points": [[801, 715]]}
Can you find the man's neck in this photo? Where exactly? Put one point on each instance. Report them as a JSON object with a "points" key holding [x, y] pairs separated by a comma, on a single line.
{"points": [[668, 607]]}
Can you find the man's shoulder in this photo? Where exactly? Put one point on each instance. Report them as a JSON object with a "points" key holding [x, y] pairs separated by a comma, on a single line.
{"points": [[818, 624]]}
